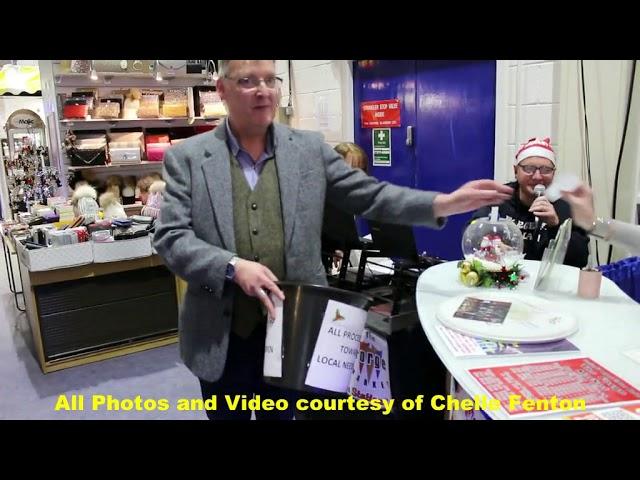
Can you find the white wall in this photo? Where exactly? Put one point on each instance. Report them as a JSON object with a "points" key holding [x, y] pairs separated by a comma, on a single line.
{"points": [[527, 105], [322, 97]]}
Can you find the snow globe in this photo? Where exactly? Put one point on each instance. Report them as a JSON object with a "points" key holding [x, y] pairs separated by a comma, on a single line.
{"points": [[492, 249]]}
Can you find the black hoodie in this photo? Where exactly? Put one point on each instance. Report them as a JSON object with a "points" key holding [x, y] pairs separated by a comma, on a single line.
{"points": [[514, 209]]}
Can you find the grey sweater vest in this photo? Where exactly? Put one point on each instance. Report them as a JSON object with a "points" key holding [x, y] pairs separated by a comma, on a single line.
{"points": [[259, 234]]}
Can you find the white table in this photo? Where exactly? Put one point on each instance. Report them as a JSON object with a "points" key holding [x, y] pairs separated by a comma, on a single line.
{"points": [[608, 326]]}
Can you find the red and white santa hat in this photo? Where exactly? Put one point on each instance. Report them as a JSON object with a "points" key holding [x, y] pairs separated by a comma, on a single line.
{"points": [[536, 147]]}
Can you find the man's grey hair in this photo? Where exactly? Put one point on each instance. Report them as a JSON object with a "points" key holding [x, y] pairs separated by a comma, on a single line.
{"points": [[223, 67]]}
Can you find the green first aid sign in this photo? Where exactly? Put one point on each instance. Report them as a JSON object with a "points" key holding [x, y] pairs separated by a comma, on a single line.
{"points": [[381, 139]]}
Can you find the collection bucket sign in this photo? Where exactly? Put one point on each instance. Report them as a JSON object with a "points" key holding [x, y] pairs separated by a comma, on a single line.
{"points": [[380, 113], [272, 366], [337, 347], [370, 377]]}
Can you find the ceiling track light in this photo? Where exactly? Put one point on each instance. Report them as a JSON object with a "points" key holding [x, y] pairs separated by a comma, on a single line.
{"points": [[93, 74], [156, 71], [212, 74]]}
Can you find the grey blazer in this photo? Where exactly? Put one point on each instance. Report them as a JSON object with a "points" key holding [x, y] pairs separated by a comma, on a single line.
{"points": [[195, 234]]}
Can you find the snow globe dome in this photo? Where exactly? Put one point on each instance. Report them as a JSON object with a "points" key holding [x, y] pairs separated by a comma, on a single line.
{"points": [[497, 243]]}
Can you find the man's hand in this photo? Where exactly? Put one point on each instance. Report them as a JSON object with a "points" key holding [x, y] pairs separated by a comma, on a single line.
{"points": [[471, 196], [543, 209], [581, 201], [256, 280]]}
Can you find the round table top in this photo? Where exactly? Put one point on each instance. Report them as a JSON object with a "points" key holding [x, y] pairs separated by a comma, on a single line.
{"points": [[608, 326]]}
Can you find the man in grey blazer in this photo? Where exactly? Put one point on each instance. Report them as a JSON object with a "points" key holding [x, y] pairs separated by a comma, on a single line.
{"points": [[243, 208]]}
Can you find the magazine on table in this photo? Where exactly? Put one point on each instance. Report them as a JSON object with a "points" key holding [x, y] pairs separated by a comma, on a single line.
{"points": [[465, 346]]}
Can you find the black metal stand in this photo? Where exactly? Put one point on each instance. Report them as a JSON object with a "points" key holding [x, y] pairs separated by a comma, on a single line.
{"points": [[11, 277]]}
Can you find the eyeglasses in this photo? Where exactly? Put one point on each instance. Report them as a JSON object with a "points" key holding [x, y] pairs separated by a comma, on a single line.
{"points": [[531, 169], [251, 82]]}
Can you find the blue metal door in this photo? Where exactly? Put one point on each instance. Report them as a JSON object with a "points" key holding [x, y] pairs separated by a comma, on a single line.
{"points": [[388, 80], [455, 138], [451, 107]]}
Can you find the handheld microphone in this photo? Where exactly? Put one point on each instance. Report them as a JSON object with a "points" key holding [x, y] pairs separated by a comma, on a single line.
{"points": [[538, 191]]}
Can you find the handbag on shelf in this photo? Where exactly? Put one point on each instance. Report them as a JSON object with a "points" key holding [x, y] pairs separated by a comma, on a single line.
{"points": [[90, 95], [149, 106], [174, 110], [175, 103], [82, 157], [88, 150], [75, 107], [207, 102], [107, 109]]}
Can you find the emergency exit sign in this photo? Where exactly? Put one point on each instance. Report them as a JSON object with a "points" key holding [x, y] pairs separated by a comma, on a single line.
{"points": [[380, 113]]}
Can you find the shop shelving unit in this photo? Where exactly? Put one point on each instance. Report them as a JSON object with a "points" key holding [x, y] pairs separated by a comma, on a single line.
{"points": [[57, 81]]}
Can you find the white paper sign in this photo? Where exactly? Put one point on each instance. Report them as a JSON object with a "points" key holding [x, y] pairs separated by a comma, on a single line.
{"points": [[337, 347], [563, 181], [273, 343], [370, 377], [322, 111]]}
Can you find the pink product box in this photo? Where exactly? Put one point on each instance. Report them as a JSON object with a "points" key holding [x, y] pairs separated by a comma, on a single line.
{"points": [[155, 151]]}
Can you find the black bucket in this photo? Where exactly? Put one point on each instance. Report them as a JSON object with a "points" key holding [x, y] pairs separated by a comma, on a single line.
{"points": [[303, 311]]}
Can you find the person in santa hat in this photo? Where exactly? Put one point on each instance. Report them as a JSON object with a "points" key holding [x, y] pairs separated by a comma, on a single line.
{"points": [[537, 217]]}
